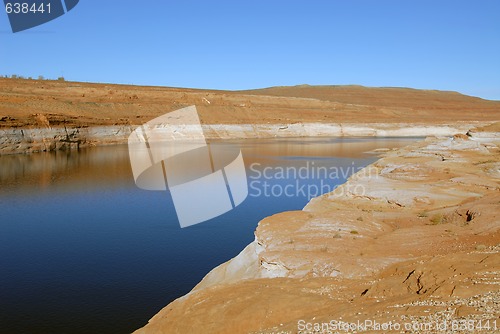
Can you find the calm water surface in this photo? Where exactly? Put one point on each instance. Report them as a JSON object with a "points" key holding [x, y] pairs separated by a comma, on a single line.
{"points": [[83, 250]]}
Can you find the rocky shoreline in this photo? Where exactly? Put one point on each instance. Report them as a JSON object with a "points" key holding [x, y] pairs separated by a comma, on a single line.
{"points": [[31, 140], [413, 240]]}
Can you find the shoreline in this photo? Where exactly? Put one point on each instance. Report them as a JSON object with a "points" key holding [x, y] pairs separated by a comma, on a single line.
{"points": [[31, 140], [427, 205]]}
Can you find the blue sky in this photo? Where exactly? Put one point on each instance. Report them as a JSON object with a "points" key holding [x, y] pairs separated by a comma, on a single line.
{"points": [[446, 45]]}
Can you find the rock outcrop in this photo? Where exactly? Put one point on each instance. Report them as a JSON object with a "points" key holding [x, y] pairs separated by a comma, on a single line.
{"points": [[30, 140]]}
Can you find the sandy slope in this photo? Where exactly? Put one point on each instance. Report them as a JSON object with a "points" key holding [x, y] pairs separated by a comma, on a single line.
{"points": [[34, 103]]}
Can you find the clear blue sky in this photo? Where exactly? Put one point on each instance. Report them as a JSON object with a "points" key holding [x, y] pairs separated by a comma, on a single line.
{"points": [[447, 45]]}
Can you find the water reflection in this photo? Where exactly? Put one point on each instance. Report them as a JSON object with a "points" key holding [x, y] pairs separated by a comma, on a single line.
{"points": [[88, 168], [83, 250], [109, 166]]}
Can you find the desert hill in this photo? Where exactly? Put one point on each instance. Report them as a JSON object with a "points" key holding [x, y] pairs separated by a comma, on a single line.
{"points": [[45, 103], [381, 96]]}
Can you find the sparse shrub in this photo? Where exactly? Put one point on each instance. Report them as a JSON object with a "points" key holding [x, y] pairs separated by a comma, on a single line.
{"points": [[484, 162], [354, 232], [481, 247], [437, 219]]}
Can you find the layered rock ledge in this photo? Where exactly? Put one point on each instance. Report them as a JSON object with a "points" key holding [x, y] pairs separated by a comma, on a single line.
{"points": [[30, 140], [412, 239]]}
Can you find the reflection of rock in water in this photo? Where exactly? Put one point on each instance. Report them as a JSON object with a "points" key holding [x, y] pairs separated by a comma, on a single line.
{"points": [[106, 166], [110, 165]]}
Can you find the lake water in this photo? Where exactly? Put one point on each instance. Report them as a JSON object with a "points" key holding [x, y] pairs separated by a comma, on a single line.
{"points": [[83, 250]]}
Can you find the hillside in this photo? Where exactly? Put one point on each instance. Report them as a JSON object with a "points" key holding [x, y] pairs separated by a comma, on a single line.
{"points": [[383, 97], [36, 103]]}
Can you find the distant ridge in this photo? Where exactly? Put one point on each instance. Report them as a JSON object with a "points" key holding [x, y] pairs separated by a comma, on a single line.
{"points": [[49, 103], [379, 96]]}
